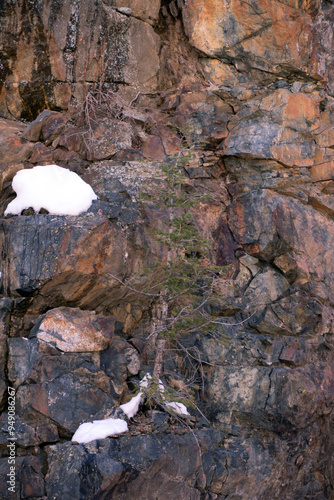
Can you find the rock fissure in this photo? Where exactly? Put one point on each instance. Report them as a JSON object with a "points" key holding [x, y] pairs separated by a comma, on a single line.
{"points": [[269, 389]]}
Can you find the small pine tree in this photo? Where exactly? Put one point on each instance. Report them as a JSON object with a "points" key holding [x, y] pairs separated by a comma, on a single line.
{"points": [[183, 284]]}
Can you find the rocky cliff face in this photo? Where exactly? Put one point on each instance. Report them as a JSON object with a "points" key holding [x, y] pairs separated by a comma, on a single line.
{"points": [[110, 90]]}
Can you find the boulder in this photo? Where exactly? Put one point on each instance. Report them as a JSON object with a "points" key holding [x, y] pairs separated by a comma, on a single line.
{"points": [[57, 256], [280, 225], [279, 127], [73, 330]]}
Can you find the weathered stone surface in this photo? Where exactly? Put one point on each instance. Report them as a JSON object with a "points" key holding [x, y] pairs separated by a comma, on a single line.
{"points": [[68, 48], [291, 315], [140, 9], [34, 129], [41, 154], [13, 149], [31, 430], [57, 255], [124, 467], [266, 287], [133, 361], [280, 225], [258, 35], [29, 478], [67, 388], [6, 307], [73, 330], [273, 398], [102, 141], [22, 356], [279, 126], [202, 117]]}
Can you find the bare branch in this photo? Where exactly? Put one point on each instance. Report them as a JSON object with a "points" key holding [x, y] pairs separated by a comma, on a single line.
{"points": [[155, 295]]}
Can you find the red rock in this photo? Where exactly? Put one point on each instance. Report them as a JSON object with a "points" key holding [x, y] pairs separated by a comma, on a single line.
{"points": [[7, 173], [153, 149], [33, 130], [281, 129], [263, 37], [323, 172], [52, 127], [256, 224], [291, 354], [59, 61], [171, 142], [13, 149], [41, 154]]}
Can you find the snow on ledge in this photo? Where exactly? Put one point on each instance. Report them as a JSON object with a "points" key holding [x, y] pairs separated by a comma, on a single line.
{"points": [[99, 429], [53, 188]]}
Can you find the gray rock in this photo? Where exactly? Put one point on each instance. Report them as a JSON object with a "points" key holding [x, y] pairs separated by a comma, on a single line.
{"points": [[23, 354], [125, 10]]}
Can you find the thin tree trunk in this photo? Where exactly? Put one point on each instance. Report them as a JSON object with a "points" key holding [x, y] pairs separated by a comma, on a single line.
{"points": [[159, 358], [160, 341]]}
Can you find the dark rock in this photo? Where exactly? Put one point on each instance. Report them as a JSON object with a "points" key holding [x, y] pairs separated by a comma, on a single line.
{"points": [[29, 478], [45, 254], [52, 127], [66, 388], [292, 315], [22, 356], [65, 464], [6, 306], [56, 65], [120, 467], [42, 154], [159, 420], [31, 430]]}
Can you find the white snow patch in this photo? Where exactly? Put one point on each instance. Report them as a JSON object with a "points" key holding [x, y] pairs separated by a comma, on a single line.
{"points": [[99, 429], [131, 408], [178, 408], [145, 381], [175, 407], [54, 188]]}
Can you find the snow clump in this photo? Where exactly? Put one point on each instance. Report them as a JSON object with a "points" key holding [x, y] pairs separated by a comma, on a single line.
{"points": [[56, 189], [131, 408], [99, 429]]}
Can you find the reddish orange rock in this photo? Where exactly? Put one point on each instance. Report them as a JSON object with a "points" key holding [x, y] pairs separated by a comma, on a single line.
{"points": [[73, 330], [268, 35]]}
